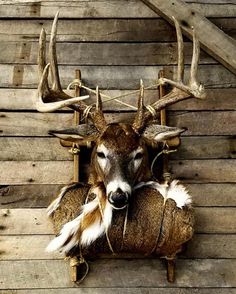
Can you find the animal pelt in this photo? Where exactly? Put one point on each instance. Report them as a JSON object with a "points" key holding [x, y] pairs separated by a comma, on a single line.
{"points": [[159, 220]]}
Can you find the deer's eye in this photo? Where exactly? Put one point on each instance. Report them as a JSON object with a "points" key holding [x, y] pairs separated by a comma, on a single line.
{"points": [[101, 155], [138, 156]]}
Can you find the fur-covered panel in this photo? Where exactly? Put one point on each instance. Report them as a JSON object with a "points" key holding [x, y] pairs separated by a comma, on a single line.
{"points": [[159, 220]]}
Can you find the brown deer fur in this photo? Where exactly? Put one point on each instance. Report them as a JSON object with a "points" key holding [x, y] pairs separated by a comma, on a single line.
{"points": [[153, 225]]}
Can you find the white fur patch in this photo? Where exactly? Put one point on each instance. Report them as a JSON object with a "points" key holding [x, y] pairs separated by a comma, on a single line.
{"points": [[103, 162], [179, 194], [69, 232], [137, 162], [114, 185], [102, 148], [174, 191], [97, 229]]}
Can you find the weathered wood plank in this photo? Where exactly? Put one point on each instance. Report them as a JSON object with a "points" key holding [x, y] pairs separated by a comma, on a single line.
{"points": [[101, 9], [221, 47], [34, 221], [44, 149], [206, 148], [38, 124], [211, 246], [123, 290], [36, 172], [33, 124], [33, 247], [119, 273], [115, 30], [113, 77], [213, 194], [197, 171], [211, 122], [217, 99], [29, 149], [37, 196], [25, 196], [101, 53], [24, 222], [215, 220], [43, 172]]}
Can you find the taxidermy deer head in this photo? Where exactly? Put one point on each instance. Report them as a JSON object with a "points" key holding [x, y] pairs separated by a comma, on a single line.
{"points": [[119, 158]]}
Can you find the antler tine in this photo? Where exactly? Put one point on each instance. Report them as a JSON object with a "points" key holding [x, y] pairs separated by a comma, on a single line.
{"points": [[196, 87], [139, 117], [180, 69], [56, 93], [56, 85], [43, 91], [98, 100], [42, 51], [98, 116], [42, 57], [195, 59], [180, 91], [42, 87], [141, 96]]}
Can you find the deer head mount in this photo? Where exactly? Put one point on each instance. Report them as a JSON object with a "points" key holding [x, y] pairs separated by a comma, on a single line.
{"points": [[119, 159]]}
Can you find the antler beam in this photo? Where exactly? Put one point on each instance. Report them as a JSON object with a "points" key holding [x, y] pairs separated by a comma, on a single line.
{"points": [[56, 97], [180, 90]]}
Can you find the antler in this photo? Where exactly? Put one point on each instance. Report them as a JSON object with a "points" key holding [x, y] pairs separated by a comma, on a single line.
{"points": [[98, 116], [180, 91], [54, 93]]}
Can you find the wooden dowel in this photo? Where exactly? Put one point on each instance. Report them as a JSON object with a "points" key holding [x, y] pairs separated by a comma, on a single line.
{"points": [[163, 122], [76, 120]]}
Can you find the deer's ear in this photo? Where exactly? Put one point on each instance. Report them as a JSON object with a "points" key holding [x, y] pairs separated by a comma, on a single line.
{"points": [[84, 132], [154, 133]]}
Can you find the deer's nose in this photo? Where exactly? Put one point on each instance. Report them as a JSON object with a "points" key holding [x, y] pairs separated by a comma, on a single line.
{"points": [[118, 199]]}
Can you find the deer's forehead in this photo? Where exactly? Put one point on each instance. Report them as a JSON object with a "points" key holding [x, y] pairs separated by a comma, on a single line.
{"points": [[119, 138]]}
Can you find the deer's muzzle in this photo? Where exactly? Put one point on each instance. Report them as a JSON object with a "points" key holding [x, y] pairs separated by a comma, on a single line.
{"points": [[118, 199]]}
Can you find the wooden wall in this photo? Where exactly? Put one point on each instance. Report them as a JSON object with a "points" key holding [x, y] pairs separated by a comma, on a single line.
{"points": [[114, 43]]}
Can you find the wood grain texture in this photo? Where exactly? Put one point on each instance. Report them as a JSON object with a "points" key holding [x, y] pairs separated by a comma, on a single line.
{"points": [[25, 196], [217, 99], [208, 147], [217, 194], [32, 247], [104, 9], [114, 77], [37, 196], [119, 273], [205, 123], [198, 171], [101, 53], [123, 290], [221, 47], [101, 30], [30, 149], [36, 172], [20, 221]]}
